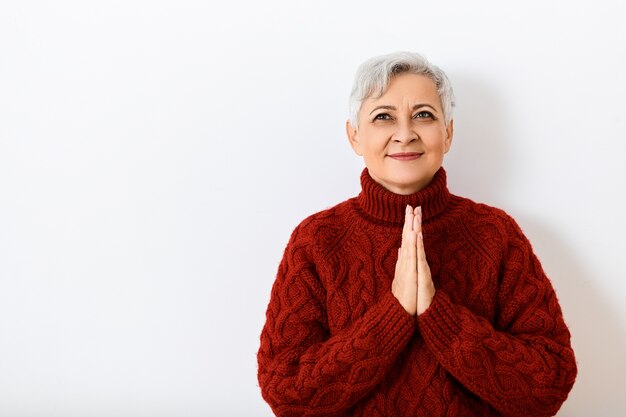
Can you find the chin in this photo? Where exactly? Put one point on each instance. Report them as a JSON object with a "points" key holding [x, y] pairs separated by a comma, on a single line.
{"points": [[409, 179], [401, 186]]}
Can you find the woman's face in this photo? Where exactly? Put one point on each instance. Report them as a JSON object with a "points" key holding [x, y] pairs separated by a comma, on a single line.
{"points": [[402, 135]]}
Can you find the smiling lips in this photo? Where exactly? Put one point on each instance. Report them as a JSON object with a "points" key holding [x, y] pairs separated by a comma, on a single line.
{"points": [[406, 156]]}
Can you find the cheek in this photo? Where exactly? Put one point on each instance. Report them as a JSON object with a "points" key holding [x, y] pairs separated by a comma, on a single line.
{"points": [[373, 145], [433, 146], [435, 139]]}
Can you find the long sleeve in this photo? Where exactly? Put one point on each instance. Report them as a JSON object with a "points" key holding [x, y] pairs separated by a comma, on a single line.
{"points": [[523, 364], [305, 371]]}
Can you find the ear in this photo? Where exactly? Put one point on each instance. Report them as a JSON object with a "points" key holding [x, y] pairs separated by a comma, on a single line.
{"points": [[353, 138], [449, 134]]}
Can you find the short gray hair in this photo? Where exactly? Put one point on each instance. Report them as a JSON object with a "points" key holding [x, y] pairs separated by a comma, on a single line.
{"points": [[373, 77]]}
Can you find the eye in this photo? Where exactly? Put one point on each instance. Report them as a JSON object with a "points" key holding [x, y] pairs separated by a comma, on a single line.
{"points": [[424, 115], [382, 116]]}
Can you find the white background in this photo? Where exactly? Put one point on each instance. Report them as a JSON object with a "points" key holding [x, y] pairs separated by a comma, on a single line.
{"points": [[156, 155]]}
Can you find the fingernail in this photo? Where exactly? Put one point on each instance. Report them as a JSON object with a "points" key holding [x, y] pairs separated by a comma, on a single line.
{"points": [[421, 236], [408, 209], [419, 210]]}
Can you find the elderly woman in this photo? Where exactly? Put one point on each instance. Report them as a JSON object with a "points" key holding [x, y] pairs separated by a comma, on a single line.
{"points": [[407, 300]]}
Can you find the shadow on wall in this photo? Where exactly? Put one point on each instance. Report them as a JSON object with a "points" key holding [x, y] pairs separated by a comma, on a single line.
{"points": [[597, 335], [480, 164], [480, 158]]}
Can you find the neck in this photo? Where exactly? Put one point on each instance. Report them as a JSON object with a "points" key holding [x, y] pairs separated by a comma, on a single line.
{"points": [[388, 206], [400, 189]]}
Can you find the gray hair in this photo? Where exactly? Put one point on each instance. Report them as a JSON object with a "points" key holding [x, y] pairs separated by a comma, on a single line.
{"points": [[373, 77]]}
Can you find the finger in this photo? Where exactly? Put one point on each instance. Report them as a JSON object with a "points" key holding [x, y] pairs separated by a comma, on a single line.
{"points": [[422, 263], [408, 223], [411, 251], [416, 221], [421, 260], [405, 230]]}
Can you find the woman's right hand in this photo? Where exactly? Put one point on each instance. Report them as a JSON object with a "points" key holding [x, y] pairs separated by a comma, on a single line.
{"points": [[404, 285]]}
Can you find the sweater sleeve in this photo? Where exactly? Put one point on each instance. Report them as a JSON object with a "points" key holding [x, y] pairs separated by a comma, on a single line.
{"points": [[303, 370], [523, 364]]}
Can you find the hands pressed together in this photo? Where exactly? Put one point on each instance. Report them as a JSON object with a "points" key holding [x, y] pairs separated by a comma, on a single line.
{"points": [[412, 284]]}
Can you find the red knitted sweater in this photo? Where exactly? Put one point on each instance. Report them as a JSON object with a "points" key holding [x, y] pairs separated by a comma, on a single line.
{"points": [[337, 342]]}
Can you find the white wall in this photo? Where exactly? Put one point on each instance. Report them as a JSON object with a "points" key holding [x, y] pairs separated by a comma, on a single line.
{"points": [[155, 156]]}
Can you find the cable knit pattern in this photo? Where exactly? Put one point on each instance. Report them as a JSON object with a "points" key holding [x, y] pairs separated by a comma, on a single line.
{"points": [[336, 342]]}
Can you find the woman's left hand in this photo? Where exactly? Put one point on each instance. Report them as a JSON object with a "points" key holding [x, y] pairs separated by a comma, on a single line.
{"points": [[425, 286]]}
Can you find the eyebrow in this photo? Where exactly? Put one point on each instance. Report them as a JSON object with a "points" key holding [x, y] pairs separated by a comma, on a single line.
{"points": [[417, 106]]}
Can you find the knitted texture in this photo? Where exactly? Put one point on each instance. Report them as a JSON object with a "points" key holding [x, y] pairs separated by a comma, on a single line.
{"points": [[336, 342]]}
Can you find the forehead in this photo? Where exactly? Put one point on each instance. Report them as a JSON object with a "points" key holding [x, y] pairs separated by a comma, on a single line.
{"points": [[407, 88]]}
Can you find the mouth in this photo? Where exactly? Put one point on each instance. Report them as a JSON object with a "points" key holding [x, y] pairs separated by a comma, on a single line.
{"points": [[406, 156]]}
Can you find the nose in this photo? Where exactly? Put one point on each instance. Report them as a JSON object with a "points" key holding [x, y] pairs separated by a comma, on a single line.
{"points": [[405, 132]]}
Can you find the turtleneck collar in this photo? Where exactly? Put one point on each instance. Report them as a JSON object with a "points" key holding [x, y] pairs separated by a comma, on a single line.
{"points": [[387, 206]]}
